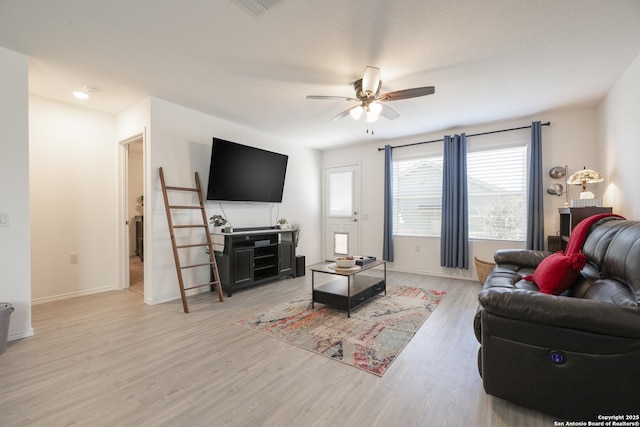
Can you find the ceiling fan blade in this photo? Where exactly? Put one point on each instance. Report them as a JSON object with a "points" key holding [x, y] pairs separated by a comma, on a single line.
{"points": [[388, 112], [330, 97], [371, 79], [345, 113], [408, 93]]}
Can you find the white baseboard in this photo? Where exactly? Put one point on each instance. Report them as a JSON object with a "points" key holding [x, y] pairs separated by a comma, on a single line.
{"points": [[201, 290], [73, 295], [431, 273], [18, 335]]}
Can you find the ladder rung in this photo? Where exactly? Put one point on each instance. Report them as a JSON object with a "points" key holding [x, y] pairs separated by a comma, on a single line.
{"points": [[190, 226], [204, 284], [197, 265], [184, 207], [181, 188], [193, 245]]}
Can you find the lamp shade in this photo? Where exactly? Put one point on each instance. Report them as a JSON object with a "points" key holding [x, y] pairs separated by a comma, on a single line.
{"points": [[371, 117], [373, 112], [375, 108], [356, 112], [584, 177]]}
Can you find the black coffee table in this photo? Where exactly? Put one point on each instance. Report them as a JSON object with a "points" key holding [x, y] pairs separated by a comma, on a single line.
{"points": [[350, 289]]}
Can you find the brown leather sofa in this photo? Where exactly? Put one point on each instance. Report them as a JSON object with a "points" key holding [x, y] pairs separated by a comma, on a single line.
{"points": [[576, 355]]}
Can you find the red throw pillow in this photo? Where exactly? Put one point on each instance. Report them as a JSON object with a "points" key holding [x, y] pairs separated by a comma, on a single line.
{"points": [[557, 272]]}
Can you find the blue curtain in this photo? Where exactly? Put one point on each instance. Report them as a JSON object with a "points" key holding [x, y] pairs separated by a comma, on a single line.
{"points": [[387, 242], [535, 211], [454, 237]]}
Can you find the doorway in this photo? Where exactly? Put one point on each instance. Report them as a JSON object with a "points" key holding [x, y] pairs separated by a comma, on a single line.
{"points": [[342, 230], [134, 208]]}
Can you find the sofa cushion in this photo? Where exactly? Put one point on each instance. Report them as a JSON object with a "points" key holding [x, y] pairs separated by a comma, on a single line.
{"points": [[597, 243], [580, 232], [612, 292], [506, 277], [621, 259], [557, 272]]}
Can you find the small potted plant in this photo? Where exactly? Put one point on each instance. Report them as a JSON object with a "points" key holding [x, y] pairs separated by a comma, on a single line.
{"points": [[218, 221], [283, 223]]}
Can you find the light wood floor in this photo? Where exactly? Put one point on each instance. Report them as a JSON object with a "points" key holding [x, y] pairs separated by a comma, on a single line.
{"points": [[110, 360], [136, 275]]}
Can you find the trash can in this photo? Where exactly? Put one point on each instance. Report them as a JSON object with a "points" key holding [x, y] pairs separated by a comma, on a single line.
{"points": [[5, 314]]}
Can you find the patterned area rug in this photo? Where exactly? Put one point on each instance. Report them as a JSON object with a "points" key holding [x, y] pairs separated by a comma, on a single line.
{"points": [[370, 340]]}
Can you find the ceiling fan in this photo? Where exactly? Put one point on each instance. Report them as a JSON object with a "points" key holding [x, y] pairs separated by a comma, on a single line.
{"points": [[369, 99]]}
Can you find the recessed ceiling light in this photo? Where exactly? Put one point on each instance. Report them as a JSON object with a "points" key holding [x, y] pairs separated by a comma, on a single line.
{"points": [[81, 95], [86, 93]]}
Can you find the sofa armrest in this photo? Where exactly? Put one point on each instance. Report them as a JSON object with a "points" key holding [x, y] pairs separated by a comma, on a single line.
{"points": [[561, 312], [520, 257]]}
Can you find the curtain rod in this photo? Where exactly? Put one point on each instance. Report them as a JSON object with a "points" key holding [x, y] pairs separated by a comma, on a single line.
{"points": [[475, 134]]}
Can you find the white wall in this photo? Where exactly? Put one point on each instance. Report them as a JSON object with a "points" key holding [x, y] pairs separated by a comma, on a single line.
{"points": [[180, 139], [15, 240], [72, 160], [569, 129], [619, 138]]}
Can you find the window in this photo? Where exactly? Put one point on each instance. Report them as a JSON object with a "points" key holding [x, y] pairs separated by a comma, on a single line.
{"points": [[417, 196], [497, 194], [340, 194], [497, 182]]}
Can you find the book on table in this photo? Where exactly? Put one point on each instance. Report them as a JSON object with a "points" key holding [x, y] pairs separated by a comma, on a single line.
{"points": [[363, 259]]}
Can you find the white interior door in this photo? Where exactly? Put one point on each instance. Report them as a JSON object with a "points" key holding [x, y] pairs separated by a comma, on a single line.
{"points": [[342, 220]]}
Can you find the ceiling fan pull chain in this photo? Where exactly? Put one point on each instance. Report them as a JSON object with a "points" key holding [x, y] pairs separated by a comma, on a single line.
{"points": [[371, 128]]}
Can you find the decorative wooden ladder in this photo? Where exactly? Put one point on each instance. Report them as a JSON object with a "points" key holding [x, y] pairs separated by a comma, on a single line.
{"points": [[201, 225]]}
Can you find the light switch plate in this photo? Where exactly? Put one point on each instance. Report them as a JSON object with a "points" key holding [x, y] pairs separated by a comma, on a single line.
{"points": [[4, 219]]}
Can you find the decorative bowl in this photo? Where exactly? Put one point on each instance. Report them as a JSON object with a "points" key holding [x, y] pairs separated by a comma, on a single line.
{"points": [[345, 262]]}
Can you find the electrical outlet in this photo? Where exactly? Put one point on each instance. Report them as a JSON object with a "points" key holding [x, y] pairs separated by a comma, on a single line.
{"points": [[73, 258]]}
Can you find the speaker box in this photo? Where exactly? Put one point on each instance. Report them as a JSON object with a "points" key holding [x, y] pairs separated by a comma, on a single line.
{"points": [[300, 265], [554, 243]]}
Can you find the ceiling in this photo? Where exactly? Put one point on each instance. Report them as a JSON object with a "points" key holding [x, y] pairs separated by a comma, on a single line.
{"points": [[488, 60]]}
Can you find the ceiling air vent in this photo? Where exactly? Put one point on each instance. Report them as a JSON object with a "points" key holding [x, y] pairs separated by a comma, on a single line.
{"points": [[257, 7]]}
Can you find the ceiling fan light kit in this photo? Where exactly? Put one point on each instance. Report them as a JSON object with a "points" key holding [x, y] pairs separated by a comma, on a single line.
{"points": [[367, 93]]}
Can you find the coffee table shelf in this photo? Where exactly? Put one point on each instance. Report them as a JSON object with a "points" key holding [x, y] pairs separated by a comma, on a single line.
{"points": [[349, 290]]}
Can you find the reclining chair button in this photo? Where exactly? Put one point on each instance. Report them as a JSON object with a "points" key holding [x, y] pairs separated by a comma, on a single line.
{"points": [[557, 357]]}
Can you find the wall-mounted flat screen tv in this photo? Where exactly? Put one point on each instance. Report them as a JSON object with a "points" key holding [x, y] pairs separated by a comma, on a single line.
{"points": [[245, 174]]}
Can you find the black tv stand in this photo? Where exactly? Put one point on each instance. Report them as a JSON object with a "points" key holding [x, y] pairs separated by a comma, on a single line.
{"points": [[249, 257]]}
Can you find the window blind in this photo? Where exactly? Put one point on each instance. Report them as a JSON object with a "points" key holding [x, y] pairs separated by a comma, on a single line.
{"points": [[497, 189]]}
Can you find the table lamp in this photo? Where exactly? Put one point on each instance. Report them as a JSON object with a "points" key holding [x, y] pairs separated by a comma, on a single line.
{"points": [[583, 177]]}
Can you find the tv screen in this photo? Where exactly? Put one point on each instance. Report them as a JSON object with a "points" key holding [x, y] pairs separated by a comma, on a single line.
{"points": [[245, 174]]}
